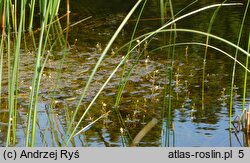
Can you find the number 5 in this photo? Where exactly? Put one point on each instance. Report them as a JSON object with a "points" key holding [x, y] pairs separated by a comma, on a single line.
{"points": [[241, 154]]}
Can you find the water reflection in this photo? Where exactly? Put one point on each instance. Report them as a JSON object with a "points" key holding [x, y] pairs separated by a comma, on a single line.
{"points": [[190, 124]]}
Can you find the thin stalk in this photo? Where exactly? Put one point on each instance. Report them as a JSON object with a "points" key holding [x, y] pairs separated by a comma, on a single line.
{"points": [[2, 14], [2, 11], [171, 72], [13, 75], [91, 124], [169, 49], [1, 64], [163, 15], [24, 17], [15, 17], [122, 85], [245, 78], [234, 67], [48, 13], [51, 11], [187, 6], [7, 9], [124, 77], [163, 11], [31, 15], [68, 19], [205, 55], [34, 89]]}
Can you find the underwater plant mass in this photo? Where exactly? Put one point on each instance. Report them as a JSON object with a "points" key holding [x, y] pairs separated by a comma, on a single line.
{"points": [[124, 73]]}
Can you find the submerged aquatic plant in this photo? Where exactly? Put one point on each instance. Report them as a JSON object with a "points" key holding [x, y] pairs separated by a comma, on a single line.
{"points": [[138, 45], [69, 131], [142, 39]]}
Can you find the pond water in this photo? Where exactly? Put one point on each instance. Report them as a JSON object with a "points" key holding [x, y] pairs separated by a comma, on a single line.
{"points": [[189, 123]]}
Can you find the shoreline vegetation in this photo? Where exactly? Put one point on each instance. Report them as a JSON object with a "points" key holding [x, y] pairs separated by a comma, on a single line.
{"points": [[39, 22]]}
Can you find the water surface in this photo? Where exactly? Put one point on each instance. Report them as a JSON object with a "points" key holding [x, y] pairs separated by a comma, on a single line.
{"points": [[193, 122]]}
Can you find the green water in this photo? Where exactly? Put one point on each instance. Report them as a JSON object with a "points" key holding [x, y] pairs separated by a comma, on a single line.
{"points": [[142, 100]]}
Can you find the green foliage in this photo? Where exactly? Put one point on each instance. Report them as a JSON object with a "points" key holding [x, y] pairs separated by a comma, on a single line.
{"points": [[13, 34], [13, 22]]}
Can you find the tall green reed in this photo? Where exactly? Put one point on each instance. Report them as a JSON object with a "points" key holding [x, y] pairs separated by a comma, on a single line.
{"points": [[163, 11], [50, 9], [13, 76], [2, 44], [125, 76], [247, 58], [205, 53], [170, 55], [234, 68], [14, 25], [174, 35]]}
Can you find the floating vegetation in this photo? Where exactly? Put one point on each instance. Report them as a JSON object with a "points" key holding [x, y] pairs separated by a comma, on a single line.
{"points": [[131, 80]]}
